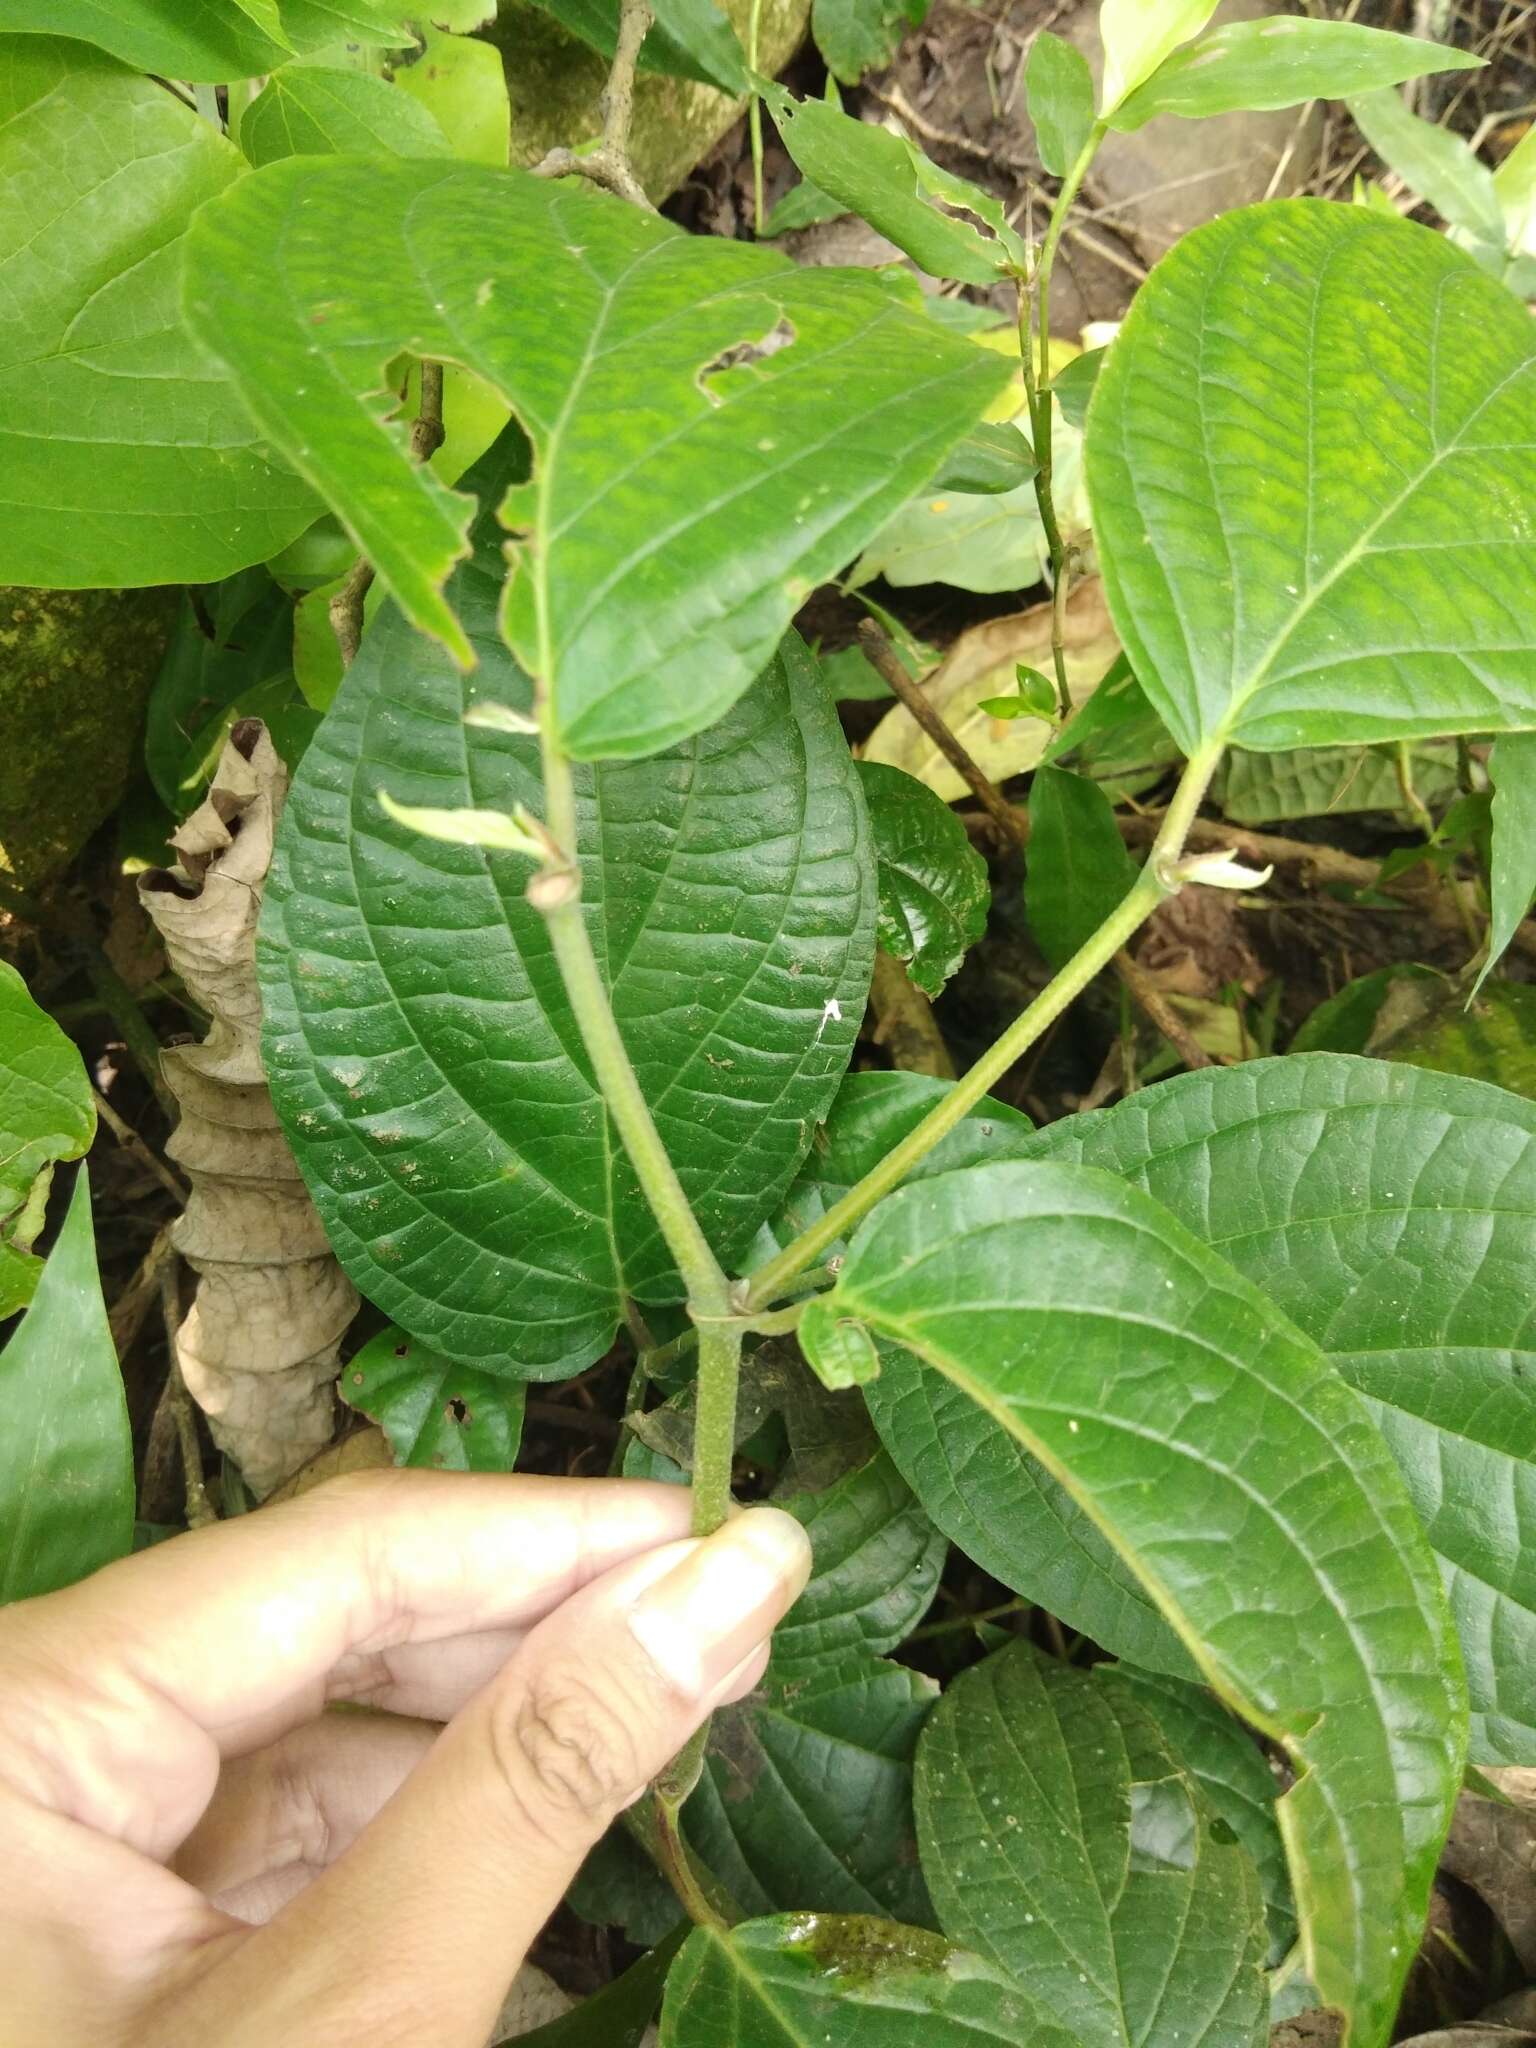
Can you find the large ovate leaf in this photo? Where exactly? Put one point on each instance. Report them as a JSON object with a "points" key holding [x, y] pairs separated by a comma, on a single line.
{"points": [[1391, 1214], [125, 457], [661, 549], [1382, 584], [933, 884], [313, 110], [210, 44], [46, 1115], [1243, 1483], [808, 1979], [420, 1049], [1063, 1842], [806, 1797], [1279, 62], [448, 1417], [1512, 871], [1231, 1771], [1078, 868], [1318, 782], [889, 182], [66, 1452]]}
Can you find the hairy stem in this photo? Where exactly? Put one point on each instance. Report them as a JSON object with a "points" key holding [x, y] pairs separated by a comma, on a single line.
{"points": [[1155, 884], [714, 1424]]}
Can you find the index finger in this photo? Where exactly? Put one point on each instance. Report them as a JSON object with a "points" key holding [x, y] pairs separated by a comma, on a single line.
{"points": [[232, 1634]]}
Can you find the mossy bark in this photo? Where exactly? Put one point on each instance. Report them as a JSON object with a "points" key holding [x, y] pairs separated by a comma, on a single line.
{"points": [[75, 672], [554, 83]]}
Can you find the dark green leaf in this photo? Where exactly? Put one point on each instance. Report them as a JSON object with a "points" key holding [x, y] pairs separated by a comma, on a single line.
{"points": [[125, 456], [434, 1412], [878, 1559], [1392, 1215], [807, 1792], [311, 110], [1435, 162], [236, 637], [691, 38], [1384, 584], [1512, 873], [990, 459], [619, 1886], [659, 605], [856, 36], [809, 1979], [420, 1049], [1280, 61], [889, 182], [1232, 1772], [1348, 1021], [1317, 782], [46, 1114], [1063, 1843], [619, 2014], [214, 44], [1075, 385], [1118, 704], [1078, 868], [933, 885], [1241, 1480], [1492, 1039], [1059, 86], [66, 1452]]}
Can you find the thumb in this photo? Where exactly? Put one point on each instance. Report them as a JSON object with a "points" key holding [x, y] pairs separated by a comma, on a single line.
{"points": [[420, 1926]]}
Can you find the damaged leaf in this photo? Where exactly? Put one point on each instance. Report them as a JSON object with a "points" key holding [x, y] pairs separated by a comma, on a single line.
{"points": [[46, 1115], [751, 473], [435, 1413], [933, 885]]}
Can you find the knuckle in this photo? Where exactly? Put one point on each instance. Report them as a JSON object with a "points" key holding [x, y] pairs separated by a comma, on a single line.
{"points": [[567, 1752]]}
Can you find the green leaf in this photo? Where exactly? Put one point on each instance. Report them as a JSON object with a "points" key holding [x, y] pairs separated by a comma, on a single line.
{"points": [[802, 206], [223, 43], [46, 1114], [1231, 1771], [66, 1452], [419, 1046], [238, 636], [311, 110], [903, 194], [1392, 1215], [691, 39], [661, 603], [1279, 62], [1059, 87], [934, 890], [434, 1412], [1138, 35], [126, 457], [990, 459], [1319, 782], [1493, 1039], [1073, 386], [1361, 596], [618, 2015], [808, 1979], [878, 1559], [618, 1885], [1435, 162], [1117, 705], [1243, 1483], [1512, 878], [461, 85], [1063, 1843], [855, 36], [1078, 869], [807, 1790], [1347, 1022]]}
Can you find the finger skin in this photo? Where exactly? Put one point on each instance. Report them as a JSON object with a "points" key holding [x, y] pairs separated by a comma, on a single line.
{"points": [[410, 1939], [119, 1696]]}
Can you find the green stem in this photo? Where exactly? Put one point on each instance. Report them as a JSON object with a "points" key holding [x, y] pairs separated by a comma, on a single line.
{"points": [[714, 1424], [1037, 387], [755, 119], [1154, 885]]}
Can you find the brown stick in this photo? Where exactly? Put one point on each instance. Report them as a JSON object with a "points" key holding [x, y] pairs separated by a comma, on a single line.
{"points": [[1150, 999], [199, 1511], [147, 1157], [608, 165], [883, 658], [905, 1023]]}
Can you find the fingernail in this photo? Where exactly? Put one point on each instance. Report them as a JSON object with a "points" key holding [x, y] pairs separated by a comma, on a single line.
{"points": [[710, 1612]]}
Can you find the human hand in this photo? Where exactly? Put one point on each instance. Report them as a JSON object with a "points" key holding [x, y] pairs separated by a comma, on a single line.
{"points": [[196, 1857]]}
